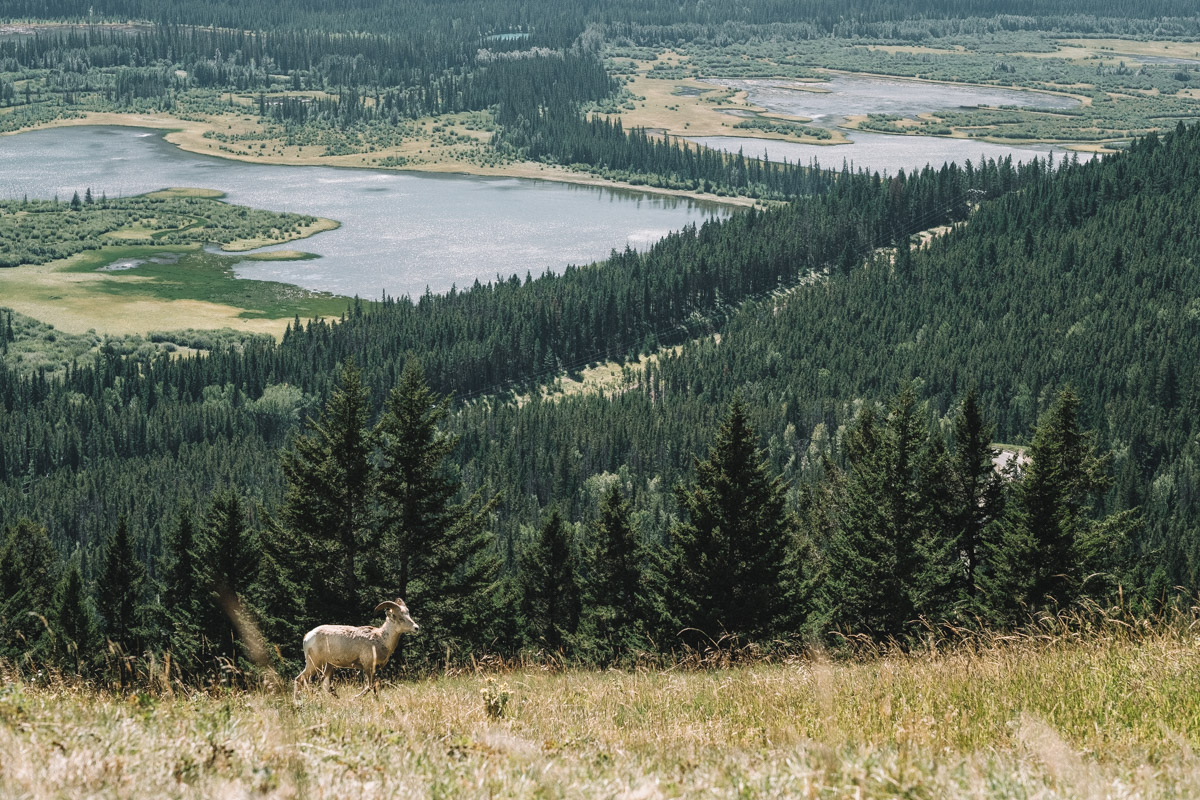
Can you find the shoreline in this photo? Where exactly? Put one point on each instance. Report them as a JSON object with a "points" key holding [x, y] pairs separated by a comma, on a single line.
{"points": [[188, 135]]}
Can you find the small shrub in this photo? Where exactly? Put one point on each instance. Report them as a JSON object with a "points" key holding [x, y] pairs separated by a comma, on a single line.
{"points": [[495, 698]]}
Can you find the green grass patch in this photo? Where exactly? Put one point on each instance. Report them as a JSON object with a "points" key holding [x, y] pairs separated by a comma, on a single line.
{"points": [[42, 231], [190, 273]]}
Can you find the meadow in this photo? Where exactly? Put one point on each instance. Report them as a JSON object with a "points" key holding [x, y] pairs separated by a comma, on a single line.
{"points": [[1111, 711], [137, 265]]}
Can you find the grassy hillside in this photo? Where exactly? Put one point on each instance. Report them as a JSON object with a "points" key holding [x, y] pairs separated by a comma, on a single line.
{"points": [[1113, 713]]}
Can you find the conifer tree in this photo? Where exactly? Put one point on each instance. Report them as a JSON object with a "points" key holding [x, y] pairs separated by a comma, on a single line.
{"points": [[324, 521], [976, 487], [183, 599], [120, 590], [860, 576], [548, 586], [229, 565], [731, 554], [878, 573], [75, 622], [938, 588], [29, 569], [614, 596], [1051, 543], [437, 549]]}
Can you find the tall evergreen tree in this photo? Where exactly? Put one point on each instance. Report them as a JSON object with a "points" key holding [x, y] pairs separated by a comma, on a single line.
{"points": [[548, 586], [614, 595], [229, 562], [120, 591], [29, 569], [183, 598], [75, 622], [324, 521], [877, 572], [939, 582], [437, 549], [977, 498], [1051, 542], [731, 554]]}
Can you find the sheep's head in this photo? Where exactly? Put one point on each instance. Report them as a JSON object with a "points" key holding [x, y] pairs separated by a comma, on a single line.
{"points": [[397, 613]]}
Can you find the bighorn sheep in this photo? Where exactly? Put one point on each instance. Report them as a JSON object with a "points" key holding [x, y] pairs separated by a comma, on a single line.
{"points": [[327, 647]]}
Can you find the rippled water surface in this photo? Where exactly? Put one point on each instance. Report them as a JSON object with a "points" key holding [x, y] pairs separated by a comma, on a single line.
{"points": [[401, 232]]}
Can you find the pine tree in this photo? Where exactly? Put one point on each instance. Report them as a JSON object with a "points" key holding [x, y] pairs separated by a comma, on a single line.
{"points": [[438, 549], [1050, 543], [229, 564], [615, 611], [977, 498], [120, 591], [182, 596], [324, 521], [75, 622], [731, 554], [29, 569], [549, 590]]}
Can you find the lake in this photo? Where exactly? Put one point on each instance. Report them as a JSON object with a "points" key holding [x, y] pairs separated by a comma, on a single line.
{"points": [[881, 152], [828, 103], [401, 231]]}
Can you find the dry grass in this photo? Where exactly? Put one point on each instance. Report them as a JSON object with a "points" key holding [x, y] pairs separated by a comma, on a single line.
{"points": [[1116, 48], [1108, 714], [661, 108]]}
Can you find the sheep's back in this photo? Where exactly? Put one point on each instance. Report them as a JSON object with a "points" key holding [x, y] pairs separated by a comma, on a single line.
{"points": [[339, 645]]}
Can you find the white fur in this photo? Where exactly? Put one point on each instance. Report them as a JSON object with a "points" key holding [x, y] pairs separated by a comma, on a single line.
{"points": [[329, 647]]}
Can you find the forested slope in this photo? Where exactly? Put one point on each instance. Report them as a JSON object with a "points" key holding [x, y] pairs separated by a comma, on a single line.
{"points": [[1081, 276]]}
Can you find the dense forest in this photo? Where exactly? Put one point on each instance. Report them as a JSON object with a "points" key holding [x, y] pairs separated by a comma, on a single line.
{"points": [[534, 69], [824, 462], [802, 444]]}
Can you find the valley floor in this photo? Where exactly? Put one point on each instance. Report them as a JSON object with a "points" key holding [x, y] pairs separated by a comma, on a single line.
{"points": [[1108, 715]]}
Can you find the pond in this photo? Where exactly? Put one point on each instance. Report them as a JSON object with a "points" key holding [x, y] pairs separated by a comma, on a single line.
{"points": [[402, 232], [881, 152]]}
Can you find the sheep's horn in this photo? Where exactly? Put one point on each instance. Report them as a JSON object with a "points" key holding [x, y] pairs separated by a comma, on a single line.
{"points": [[387, 603]]}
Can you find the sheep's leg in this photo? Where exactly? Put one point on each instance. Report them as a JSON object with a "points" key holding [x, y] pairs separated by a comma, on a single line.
{"points": [[369, 674], [304, 676], [327, 683]]}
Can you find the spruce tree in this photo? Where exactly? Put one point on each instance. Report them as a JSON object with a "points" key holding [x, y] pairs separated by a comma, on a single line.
{"points": [[437, 548], [119, 593], [29, 570], [228, 566], [75, 622], [614, 597], [860, 575], [1051, 548], [938, 587], [977, 498], [878, 574], [548, 586], [324, 521], [182, 598], [732, 552]]}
